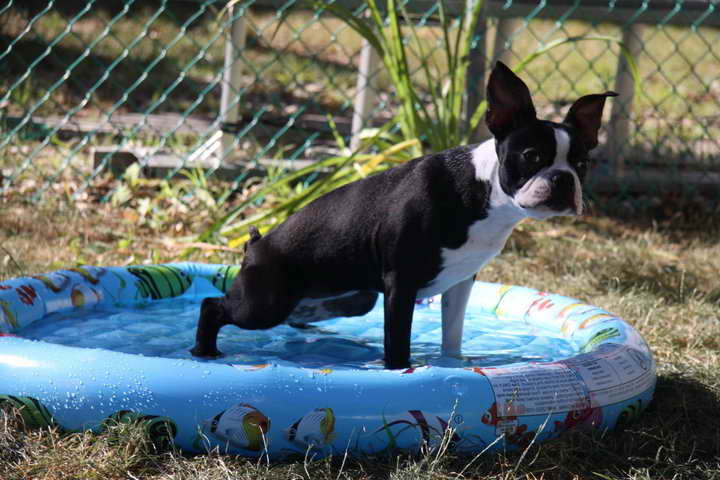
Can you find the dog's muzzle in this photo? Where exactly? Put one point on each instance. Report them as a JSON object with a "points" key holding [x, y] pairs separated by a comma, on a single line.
{"points": [[557, 192], [563, 193]]}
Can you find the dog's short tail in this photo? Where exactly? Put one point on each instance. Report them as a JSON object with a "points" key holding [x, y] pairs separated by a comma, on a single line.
{"points": [[254, 235]]}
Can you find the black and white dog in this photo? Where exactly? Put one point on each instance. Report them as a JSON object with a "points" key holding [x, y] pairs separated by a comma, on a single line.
{"points": [[416, 230]]}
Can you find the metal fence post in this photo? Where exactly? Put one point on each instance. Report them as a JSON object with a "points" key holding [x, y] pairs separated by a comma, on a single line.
{"points": [[619, 126], [232, 78], [475, 80], [502, 48], [365, 93]]}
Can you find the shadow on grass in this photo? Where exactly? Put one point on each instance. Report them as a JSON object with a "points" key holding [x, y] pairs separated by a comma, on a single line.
{"points": [[686, 411], [667, 282], [680, 216], [676, 437]]}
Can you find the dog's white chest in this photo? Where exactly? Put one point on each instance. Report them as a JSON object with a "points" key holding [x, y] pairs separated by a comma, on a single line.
{"points": [[486, 239]]}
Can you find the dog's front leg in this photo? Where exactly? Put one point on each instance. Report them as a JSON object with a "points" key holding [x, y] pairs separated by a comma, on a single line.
{"points": [[454, 304], [399, 306]]}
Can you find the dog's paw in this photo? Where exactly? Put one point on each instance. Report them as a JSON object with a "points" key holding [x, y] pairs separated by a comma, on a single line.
{"points": [[200, 352]]}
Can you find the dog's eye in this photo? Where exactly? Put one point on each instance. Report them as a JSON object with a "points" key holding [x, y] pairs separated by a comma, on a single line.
{"points": [[531, 155]]}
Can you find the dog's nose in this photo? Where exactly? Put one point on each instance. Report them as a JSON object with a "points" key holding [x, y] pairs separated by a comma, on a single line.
{"points": [[562, 179], [562, 196]]}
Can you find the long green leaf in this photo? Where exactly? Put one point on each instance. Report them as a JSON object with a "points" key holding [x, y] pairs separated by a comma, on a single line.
{"points": [[357, 23], [339, 176], [435, 94], [463, 49], [448, 120], [583, 38], [441, 124], [238, 209], [332, 165]]}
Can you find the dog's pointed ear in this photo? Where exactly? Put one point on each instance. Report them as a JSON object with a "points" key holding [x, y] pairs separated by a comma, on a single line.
{"points": [[586, 114], [509, 102]]}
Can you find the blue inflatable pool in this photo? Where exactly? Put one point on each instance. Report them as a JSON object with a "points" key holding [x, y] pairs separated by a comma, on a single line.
{"points": [[83, 347]]}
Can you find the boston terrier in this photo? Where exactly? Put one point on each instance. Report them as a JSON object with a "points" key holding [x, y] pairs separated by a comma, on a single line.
{"points": [[416, 230]]}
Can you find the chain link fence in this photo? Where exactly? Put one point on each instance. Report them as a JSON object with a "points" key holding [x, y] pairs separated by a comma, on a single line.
{"points": [[90, 87]]}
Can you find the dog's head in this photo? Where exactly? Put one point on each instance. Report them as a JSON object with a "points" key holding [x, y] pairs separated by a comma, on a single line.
{"points": [[541, 164]]}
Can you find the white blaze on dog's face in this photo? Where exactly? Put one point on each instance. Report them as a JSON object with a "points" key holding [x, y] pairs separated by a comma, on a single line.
{"points": [[541, 164], [555, 189], [542, 170]]}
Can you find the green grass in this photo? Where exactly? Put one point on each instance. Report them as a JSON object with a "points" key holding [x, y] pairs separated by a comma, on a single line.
{"points": [[657, 271]]}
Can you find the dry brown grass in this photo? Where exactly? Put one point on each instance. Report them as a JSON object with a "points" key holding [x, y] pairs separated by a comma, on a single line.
{"points": [[659, 274]]}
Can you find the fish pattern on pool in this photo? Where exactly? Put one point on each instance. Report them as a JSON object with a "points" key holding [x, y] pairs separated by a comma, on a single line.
{"points": [[535, 365]]}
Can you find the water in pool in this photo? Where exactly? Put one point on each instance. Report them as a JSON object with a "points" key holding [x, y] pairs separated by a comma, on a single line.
{"points": [[167, 329]]}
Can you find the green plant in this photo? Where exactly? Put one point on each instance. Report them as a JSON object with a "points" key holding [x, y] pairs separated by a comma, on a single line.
{"points": [[331, 173], [439, 121]]}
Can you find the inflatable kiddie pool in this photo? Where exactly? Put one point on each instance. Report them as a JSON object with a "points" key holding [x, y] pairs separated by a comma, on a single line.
{"points": [[85, 346]]}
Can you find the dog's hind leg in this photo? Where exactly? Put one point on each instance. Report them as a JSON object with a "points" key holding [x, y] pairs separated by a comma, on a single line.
{"points": [[269, 305], [212, 318]]}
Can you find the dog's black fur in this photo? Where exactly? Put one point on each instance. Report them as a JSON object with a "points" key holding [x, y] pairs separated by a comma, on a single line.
{"points": [[387, 233]]}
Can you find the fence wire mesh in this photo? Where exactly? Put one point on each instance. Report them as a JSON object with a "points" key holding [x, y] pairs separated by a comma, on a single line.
{"points": [[90, 87]]}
